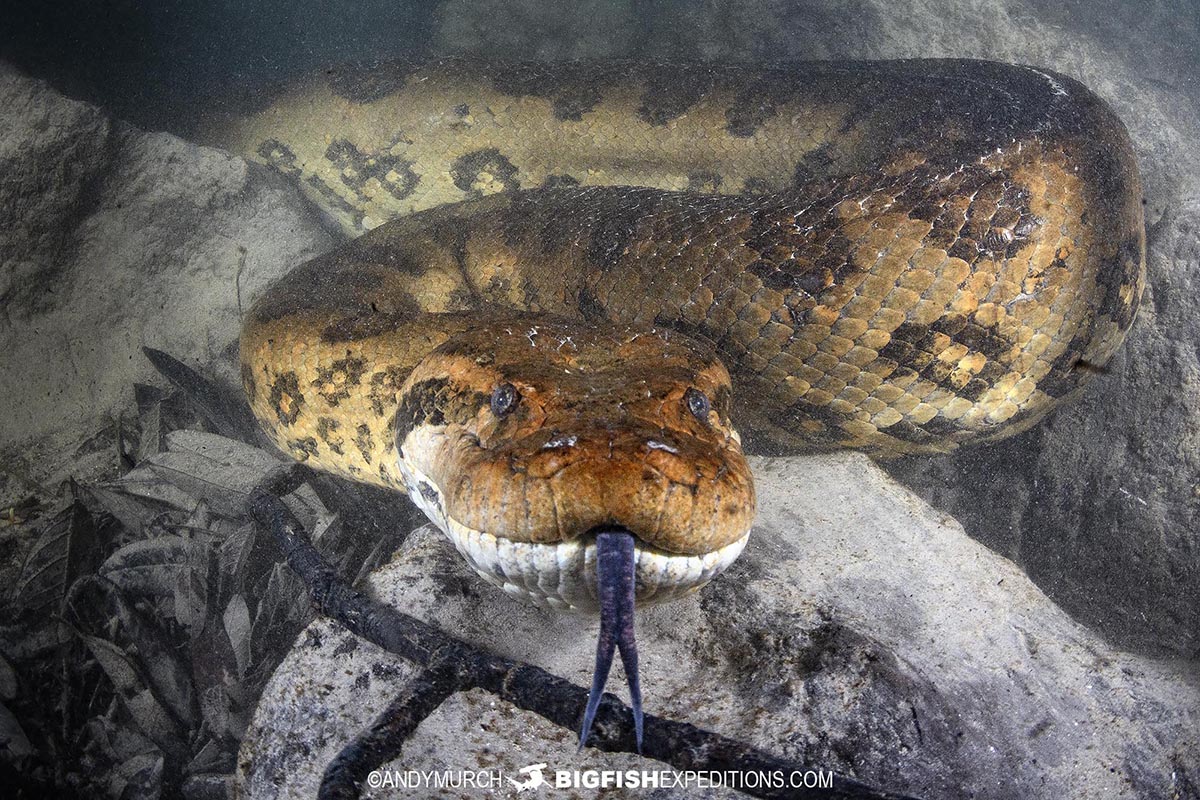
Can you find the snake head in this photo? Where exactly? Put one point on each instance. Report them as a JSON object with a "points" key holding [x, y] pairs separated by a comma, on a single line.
{"points": [[522, 437]]}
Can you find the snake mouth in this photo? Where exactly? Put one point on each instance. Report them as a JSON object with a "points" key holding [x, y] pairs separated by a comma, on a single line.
{"points": [[562, 575]]}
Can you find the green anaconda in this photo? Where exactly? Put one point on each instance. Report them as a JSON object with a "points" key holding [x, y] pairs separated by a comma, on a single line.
{"points": [[573, 280]]}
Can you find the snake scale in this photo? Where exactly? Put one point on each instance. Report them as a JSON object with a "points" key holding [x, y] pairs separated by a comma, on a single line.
{"points": [[573, 280]]}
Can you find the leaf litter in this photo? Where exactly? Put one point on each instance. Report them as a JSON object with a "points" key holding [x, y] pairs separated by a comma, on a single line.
{"points": [[149, 613]]}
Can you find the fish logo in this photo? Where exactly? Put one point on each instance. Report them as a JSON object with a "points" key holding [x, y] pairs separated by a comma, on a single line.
{"points": [[533, 778]]}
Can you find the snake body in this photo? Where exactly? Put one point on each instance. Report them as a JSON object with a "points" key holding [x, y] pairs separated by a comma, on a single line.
{"points": [[896, 257]]}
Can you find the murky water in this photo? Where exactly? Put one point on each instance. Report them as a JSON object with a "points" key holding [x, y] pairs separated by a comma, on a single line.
{"points": [[115, 240]]}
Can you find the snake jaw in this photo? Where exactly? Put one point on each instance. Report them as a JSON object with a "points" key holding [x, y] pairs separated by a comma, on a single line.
{"points": [[616, 575], [561, 575]]}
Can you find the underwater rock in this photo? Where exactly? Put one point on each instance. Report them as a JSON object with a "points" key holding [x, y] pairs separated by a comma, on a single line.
{"points": [[862, 632], [113, 238], [1101, 504]]}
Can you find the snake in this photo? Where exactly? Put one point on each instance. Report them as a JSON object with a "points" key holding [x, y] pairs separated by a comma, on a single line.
{"points": [[573, 296]]}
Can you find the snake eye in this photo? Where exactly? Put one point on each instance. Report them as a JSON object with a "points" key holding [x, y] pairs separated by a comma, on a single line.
{"points": [[697, 403], [504, 399]]}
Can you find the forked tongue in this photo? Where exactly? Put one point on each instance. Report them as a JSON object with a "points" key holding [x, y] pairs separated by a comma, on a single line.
{"points": [[615, 583]]}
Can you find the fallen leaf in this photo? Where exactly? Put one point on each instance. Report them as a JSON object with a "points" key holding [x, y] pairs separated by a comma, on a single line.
{"points": [[152, 566], [237, 627], [14, 744], [70, 545]]}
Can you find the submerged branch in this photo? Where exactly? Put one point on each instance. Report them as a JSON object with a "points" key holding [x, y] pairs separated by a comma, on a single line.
{"points": [[388, 733], [452, 665]]}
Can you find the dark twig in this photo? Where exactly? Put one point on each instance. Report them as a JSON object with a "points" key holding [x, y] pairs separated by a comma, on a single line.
{"points": [[386, 736], [678, 744]]}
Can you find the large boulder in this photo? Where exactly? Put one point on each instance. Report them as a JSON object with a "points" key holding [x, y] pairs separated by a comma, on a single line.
{"points": [[862, 631], [114, 238]]}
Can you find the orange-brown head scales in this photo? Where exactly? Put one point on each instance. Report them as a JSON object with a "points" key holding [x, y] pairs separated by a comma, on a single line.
{"points": [[536, 432]]}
